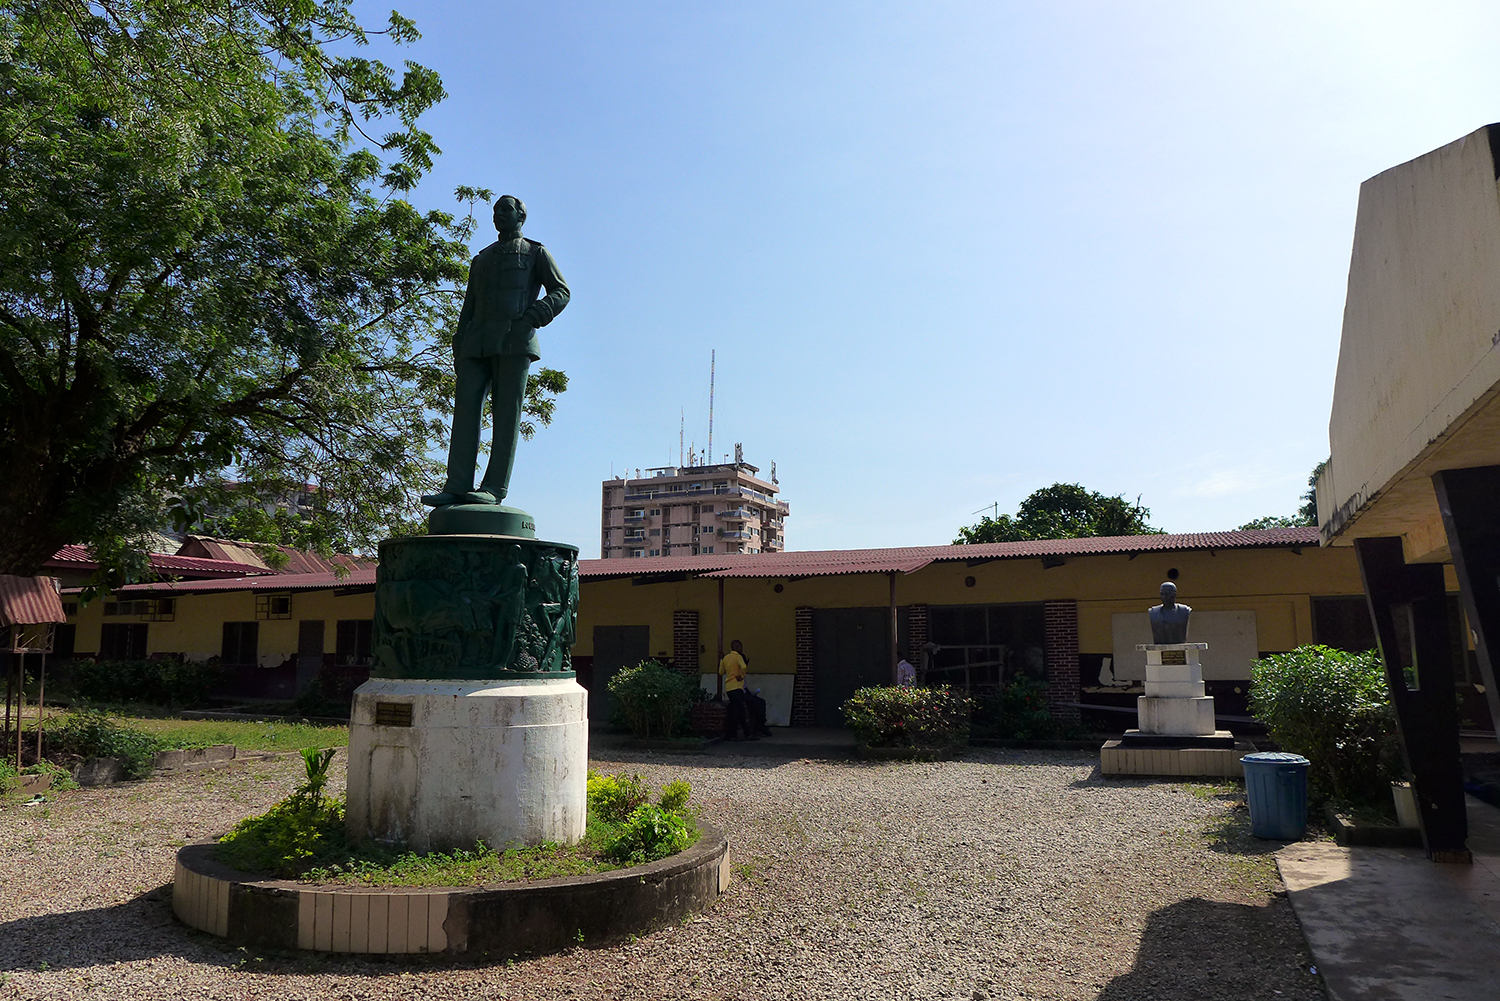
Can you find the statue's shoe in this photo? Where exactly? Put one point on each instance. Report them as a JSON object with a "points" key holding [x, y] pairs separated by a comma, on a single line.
{"points": [[439, 499], [479, 497]]}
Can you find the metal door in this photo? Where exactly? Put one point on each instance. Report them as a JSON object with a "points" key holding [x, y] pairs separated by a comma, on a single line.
{"points": [[309, 652], [614, 647], [851, 649]]}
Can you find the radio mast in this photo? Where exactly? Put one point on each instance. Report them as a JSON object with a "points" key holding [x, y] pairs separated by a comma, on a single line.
{"points": [[711, 360]]}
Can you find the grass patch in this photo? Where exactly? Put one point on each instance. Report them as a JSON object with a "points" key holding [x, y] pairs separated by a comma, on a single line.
{"points": [[303, 838], [247, 734]]}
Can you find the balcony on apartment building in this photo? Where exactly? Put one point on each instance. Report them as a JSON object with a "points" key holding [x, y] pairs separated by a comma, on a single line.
{"points": [[736, 514]]}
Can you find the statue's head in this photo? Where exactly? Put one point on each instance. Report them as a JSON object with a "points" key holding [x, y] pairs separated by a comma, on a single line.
{"points": [[1168, 593], [510, 214]]}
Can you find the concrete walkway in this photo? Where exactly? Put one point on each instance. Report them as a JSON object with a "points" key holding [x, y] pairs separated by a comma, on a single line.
{"points": [[1385, 923]]}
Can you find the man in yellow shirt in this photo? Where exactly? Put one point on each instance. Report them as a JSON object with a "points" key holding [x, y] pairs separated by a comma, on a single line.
{"points": [[733, 668]]}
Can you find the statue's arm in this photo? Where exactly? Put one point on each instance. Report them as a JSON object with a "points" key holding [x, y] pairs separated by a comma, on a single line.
{"points": [[466, 314], [548, 306]]}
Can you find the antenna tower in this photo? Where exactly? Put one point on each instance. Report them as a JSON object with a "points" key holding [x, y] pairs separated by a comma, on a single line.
{"points": [[711, 359], [681, 426]]}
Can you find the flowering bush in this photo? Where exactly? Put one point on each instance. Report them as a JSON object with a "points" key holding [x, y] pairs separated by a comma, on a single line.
{"points": [[908, 717]]}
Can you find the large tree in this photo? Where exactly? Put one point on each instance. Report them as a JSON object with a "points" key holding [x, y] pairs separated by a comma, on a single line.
{"points": [[1062, 511], [209, 271]]}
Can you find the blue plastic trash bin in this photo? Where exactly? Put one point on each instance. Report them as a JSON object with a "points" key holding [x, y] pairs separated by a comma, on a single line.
{"points": [[1276, 788]]}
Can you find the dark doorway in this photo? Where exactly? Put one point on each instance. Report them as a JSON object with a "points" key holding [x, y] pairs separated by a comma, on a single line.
{"points": [[309, 652], [614, 647], [851, 649]]}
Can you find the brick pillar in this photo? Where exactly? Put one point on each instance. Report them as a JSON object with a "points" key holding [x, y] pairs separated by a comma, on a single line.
{"points": [[685, 642], [802, 684], [1063, 682], [916, 633]]}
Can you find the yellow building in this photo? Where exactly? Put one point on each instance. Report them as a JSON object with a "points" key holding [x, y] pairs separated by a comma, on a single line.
{"points": [[818, 625]]}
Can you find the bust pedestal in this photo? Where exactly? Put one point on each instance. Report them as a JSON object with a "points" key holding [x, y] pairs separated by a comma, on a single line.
{"points": [[472, 725], [1175, 712]]}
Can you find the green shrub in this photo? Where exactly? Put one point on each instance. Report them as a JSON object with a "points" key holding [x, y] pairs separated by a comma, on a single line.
{"points": [[613, 798], [651, 832], [7, 774], [674, 796], [1019, 711], [61, 778], [652, 699], [286, 839], [90, 733], [316, 763], [908, 717], [1333, 708], [159, 682]]}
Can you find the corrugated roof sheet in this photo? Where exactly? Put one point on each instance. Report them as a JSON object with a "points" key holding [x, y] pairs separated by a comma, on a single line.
{"points": [[297, 560], [169, 564], [819, 563], [29, 600], [364, 577]]}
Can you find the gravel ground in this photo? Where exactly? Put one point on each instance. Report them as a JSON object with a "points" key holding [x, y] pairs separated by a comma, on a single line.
{"points": [[1009, 874]]}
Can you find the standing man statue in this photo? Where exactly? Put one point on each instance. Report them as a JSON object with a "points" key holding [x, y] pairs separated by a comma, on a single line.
{"points": [[493, 351], [1169, 620]]}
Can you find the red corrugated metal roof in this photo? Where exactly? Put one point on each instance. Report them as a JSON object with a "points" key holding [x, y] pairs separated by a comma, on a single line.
{"points": [[364, 577], [298, 561], [819, 563], [169, 564], [29, 600]]}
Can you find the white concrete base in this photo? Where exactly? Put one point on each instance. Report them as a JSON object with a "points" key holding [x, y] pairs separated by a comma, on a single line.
{"points": [[1175, 717], [505, 762], [1175, 689], [1116, 759]]}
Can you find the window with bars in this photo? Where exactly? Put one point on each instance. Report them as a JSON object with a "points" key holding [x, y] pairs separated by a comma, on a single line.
{"points": [[987, 644], [241, 643], [123, 641], [273, 606], [352, 642]]}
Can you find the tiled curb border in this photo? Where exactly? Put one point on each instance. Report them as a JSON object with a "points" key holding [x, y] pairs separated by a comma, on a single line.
{"points": [[524, 918], [1195, 761]]}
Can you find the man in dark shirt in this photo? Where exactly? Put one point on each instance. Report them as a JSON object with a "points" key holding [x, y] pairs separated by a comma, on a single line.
{"points": [[493, 351]]}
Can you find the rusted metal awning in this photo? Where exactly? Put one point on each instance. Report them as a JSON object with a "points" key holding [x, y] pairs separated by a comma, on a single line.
{"points": [[27, 601]]}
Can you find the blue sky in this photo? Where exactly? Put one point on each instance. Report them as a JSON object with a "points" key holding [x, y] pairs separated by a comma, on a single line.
{"points": [[947, 253]]}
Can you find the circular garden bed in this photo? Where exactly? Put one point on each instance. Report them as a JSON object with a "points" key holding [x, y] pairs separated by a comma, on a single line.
{"points": [[505, 920]]}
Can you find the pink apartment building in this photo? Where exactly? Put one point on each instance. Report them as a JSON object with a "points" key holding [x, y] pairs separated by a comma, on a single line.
{"points": [[687, 510]]}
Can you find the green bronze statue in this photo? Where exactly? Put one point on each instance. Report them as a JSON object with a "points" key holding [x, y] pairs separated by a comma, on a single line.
{"points": [[493, 350]]}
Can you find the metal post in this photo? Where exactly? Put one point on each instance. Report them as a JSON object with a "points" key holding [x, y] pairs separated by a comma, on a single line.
{"points": [[719, 691], [41, 704], [20, 704], [895, 679], [6, 740]]}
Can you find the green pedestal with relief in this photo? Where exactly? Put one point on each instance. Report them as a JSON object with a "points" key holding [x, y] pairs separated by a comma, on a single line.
{"points": [[466, 603]]}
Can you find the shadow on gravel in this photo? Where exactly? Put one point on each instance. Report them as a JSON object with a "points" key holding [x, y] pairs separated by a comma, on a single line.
{"points": [[145, 928], [140, 928], [624, 756], [1201, 949]]}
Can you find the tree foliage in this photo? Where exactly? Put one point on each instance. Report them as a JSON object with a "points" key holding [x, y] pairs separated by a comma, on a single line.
{"points": [[1062, 511], [1306, 515], [210, 271]]}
